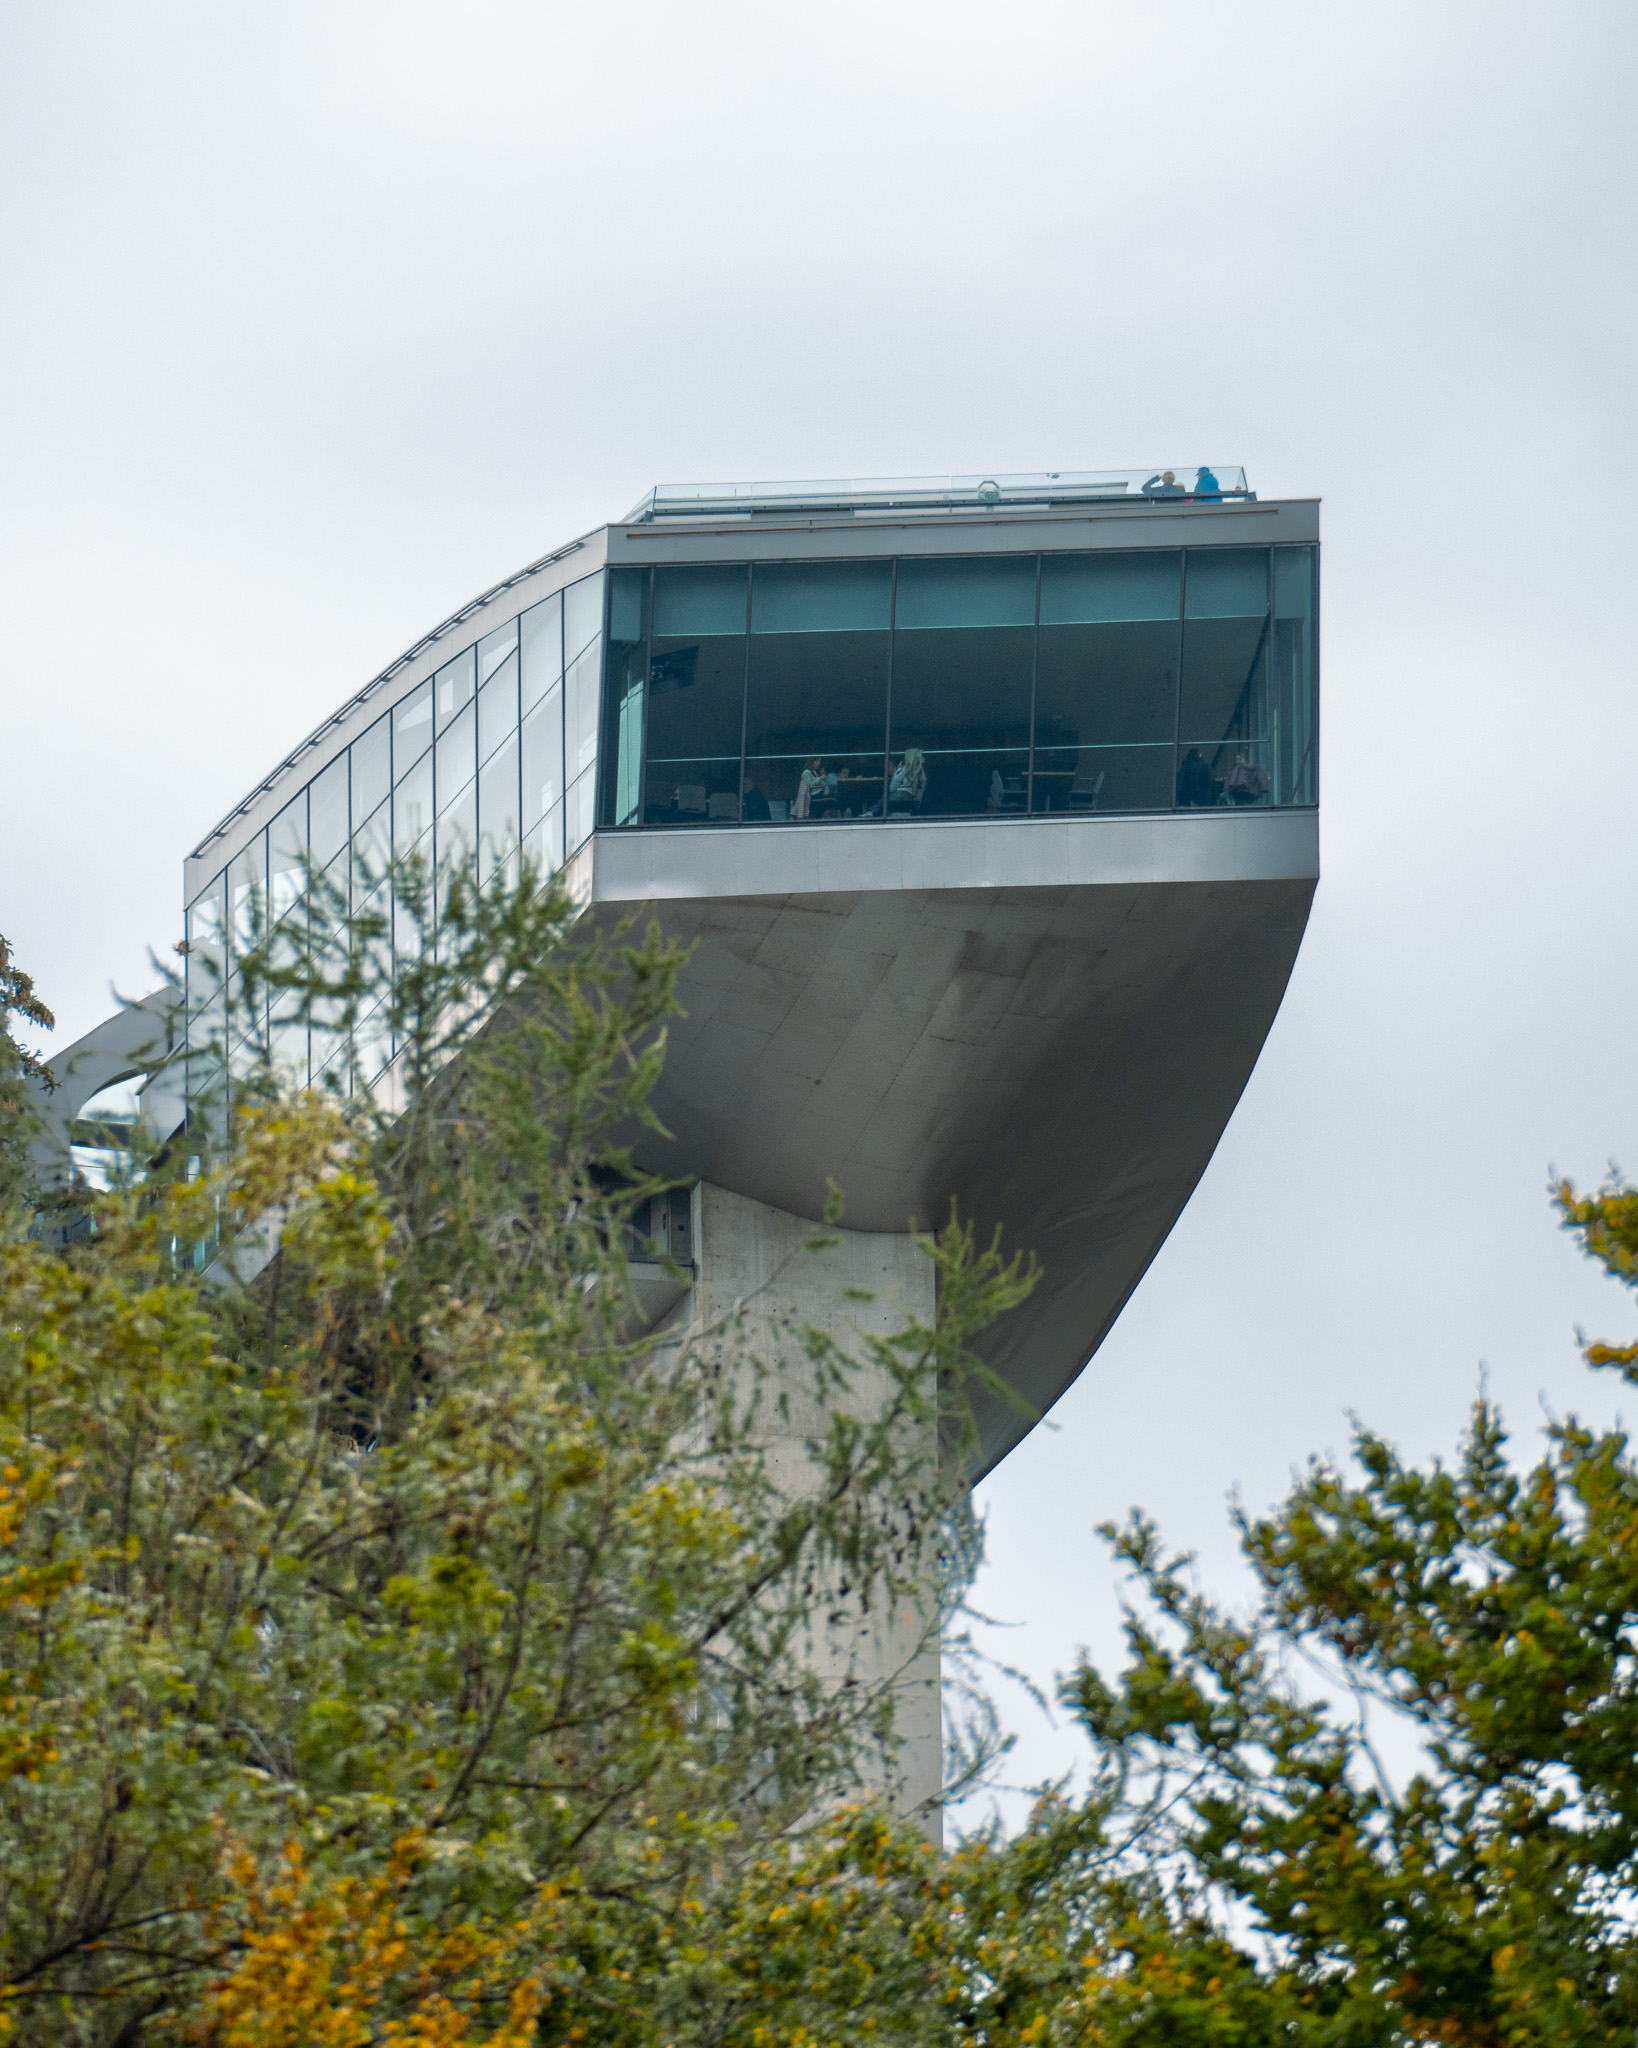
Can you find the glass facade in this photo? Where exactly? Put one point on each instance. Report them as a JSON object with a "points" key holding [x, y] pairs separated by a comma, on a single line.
{"points": [[495, 752], [911, 687], [961, 686]]}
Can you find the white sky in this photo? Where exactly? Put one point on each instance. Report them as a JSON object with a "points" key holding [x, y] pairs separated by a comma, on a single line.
{"points": [[320, 318]]}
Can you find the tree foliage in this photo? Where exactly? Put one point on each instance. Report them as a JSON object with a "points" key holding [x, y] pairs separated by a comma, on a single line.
{"points": [[394, 1647], [398, 1587]]}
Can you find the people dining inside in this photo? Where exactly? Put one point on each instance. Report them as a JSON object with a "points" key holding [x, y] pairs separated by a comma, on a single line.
{"points": [[908, 784], [811, 783], [1245, 783]]}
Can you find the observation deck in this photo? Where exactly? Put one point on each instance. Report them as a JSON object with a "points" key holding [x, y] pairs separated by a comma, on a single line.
{"points": [[989, 805]]}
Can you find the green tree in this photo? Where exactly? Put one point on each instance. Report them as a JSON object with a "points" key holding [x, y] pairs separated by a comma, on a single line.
{"points": [[18, 1068], [1489, 1900], [389, 1640]]}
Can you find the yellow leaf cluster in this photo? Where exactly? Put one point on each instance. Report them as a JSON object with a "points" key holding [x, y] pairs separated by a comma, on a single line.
{"points": [[329, 1964]]}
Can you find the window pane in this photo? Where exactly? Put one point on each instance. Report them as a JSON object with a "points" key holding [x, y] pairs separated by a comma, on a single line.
{"points": [[969, 591], [577, 813], [581, 681], [696, 696], [412, 806], [498, 823], [1106, 681], [372, 768], [411, 729], [816, 709], [691, 604], [206, 958], [962, 655], [544, 845], [541, 649], [542, 759], [287, 858], [1225, 725], [627, 672], [247, 914], [1294, 702], [372, 855], [453, 686], [495, 648], [458, 826], [498, 707], [582, 617], [327, 816], [457, 756]]}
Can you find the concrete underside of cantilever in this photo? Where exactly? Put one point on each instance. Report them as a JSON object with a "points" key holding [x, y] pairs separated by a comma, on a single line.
{"points": [[1048, 1021]]}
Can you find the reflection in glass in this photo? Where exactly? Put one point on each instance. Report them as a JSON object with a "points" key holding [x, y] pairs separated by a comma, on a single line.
{"points": [[963, 649], [696, 696], [412, 807], [627, 676], [372, 768], [582, 673], [287, 859], [499, 827], [372, 855], [578, 811], [246, 914], [541, 650], [458, 826], [453, 687], [205, 964], [327, 815], [498, 707], [1106, 681], [542, 758], [1225, 738], [411, 729], [1296, 765], [816, 697], [457, 757], [543, 847], [496, 648]]}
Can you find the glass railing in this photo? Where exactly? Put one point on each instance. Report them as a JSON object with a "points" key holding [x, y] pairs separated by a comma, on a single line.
{"points": [[1043, 488], [961, 686]]}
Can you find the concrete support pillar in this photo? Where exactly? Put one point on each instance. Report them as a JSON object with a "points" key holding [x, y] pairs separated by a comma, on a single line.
{"points": [[752, 1260]]}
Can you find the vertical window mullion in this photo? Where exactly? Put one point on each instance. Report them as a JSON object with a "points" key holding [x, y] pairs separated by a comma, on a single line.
{"points": [[887, 708], [648, 674], [1034, 671], [744, 692], [1177, 683]]}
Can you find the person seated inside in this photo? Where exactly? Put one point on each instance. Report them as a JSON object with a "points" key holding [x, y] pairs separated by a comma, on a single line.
{"points": [[908, 783], [1196, 785], [812, 784], [1245, 783], [754, 810]]}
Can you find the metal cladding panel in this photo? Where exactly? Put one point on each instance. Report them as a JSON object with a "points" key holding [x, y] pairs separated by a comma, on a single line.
{"points": [[1047, 1022], [1258, 524]]}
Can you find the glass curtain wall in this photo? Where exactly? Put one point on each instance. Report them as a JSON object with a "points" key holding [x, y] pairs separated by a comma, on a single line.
{"points": [[961, 686], [495, 755], [816, 690]]}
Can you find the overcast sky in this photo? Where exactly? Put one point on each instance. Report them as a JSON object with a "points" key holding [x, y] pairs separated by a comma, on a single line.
{"points": [[318, 319]]}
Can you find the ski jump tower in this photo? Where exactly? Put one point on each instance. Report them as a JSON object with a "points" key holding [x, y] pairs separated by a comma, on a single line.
{"points": [[988, 804]]}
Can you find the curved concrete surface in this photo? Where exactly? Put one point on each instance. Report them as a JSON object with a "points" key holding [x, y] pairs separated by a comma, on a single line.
{"points": [[1048, 1021]]}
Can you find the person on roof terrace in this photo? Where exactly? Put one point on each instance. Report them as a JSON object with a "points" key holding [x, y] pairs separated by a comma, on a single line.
{"points": [[1164, 485]]}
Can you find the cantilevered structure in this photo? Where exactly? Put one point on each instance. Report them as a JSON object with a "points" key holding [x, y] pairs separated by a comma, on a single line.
{"points": [[989, 804]]}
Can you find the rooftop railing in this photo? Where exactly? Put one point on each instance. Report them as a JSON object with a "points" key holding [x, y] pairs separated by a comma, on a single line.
{"points": [[1041, 489]]}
